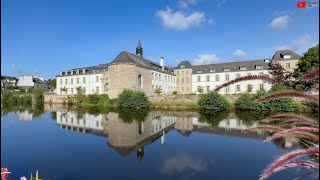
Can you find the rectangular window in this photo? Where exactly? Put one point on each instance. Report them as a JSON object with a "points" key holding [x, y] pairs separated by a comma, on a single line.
{"points": [[226, 69], [243, 68], [182, 80], [198, 78], [238, 88], [227, 89], [60, 81], [71, 90], [71, 80], [261, 86], [187, 79], [227, 77], [66, 81], [97, 90], [84, 79], [182, 72], [97, 79], [178, 73], [259, 67], [237, 75], [77, 80], [287, 65], [249, 88], [217, 78], [208, 78], [208, 88], [177, 80]]}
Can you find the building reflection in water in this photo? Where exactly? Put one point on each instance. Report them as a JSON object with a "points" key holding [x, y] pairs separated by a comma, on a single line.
{"points": [[128, 137]]}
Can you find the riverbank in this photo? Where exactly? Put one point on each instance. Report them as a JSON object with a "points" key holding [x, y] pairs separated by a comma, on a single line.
{"points": [[172, 103]]}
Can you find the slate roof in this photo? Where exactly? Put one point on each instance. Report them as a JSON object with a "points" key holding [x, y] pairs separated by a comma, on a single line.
{"points": [[278, 56], [89, 70], [234, 66], [186, 64], [126, 57]]}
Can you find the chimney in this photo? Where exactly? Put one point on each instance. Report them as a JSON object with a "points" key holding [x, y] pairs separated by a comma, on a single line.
{"points": [[162, 62]]}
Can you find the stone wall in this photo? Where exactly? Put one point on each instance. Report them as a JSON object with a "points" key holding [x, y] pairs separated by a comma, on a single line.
{"points": [[55, 99], [185, 98]]}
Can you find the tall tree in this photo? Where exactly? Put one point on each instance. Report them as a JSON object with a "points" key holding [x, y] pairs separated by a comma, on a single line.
{"points": [[308, 62]]}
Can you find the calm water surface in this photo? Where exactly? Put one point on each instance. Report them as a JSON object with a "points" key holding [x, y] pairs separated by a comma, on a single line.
{"points": [[69, 145]]}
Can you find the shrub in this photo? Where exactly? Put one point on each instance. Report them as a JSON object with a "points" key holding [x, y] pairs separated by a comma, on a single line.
{"points": [[133, 99], [212, 101], [158, 90], [200, 89], [38, 95], [174, 92], [248, 102], [93, 98]]}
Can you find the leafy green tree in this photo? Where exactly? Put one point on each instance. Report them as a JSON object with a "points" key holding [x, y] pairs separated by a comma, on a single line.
{"points": [[308, 62], [158, 90], [200, 89], [53, 83]]}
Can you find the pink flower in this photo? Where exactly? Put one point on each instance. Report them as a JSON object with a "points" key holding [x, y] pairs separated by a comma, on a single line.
{"points": [[4, 173]]}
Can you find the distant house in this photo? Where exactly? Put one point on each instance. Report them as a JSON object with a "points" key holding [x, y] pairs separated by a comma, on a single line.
{"points": [[5, 83], [27, 82]]}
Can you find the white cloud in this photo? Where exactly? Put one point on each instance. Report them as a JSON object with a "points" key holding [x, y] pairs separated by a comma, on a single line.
{"points": [[239, 54], [184, 4], [205, 59], [182, 163], [220, 3], [13, 66], [298, 43], [180, 21], [280, 22]]}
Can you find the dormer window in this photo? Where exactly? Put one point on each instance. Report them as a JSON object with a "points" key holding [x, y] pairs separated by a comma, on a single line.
{"points": [[83, 71], [182, 66], [285, 55], [199, 71], [71, 72], [77, 71], [267, 60], [60, 73], [66, 73], [243, 68], [212, 70], [259, 67], [226, 69]]}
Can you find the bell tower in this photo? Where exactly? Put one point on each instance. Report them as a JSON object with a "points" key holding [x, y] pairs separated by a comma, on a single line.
{"points": [[139, 50]]}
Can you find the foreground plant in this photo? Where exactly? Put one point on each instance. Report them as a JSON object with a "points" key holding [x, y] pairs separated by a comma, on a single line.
{"points": [[289, 125]]}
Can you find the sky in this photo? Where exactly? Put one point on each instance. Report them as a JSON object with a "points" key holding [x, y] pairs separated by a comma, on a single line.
{"points": [[45, 37]]}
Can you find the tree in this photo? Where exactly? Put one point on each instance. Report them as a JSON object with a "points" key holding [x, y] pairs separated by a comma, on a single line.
{"points": [[280, 75], [200, 89], [308, 62], [53, 83], [158, 90]]}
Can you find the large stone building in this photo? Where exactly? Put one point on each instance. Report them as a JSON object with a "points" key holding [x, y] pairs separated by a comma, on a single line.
{"points": [[133, 71]]}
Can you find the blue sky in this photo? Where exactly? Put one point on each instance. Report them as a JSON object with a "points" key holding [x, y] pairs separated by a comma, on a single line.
{"points": [[44, 37]]}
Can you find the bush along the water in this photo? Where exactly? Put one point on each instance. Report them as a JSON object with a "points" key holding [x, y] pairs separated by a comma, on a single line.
{"points": [[290, 125], [38, 95], [132, 99], [248, 101], [12, 98], [213, 101]]}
